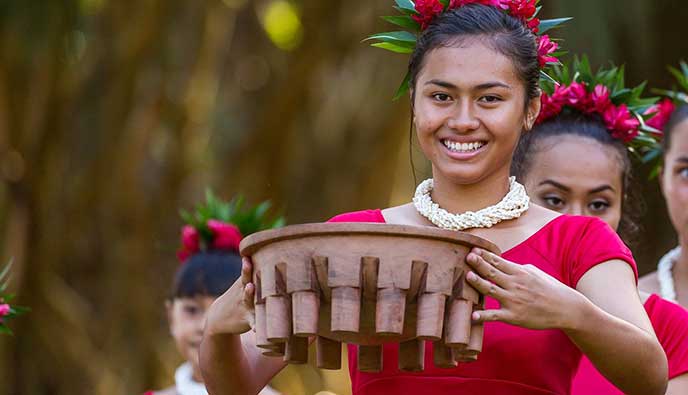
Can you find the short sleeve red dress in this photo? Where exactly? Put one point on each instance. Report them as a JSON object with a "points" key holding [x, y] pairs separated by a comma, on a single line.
{"points": [[514, 361]]}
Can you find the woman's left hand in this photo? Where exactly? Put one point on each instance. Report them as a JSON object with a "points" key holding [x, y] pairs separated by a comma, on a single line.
{"points": [[528, 297]]}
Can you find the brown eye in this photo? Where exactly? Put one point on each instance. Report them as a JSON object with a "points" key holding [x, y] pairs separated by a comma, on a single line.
{"points": [[441, 97], [553, 201], [599, 205], [683, 173], [191, 310], [490, 99]]}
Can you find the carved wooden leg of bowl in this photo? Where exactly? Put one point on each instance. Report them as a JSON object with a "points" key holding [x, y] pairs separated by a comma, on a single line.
{"points": [[365, 284]]}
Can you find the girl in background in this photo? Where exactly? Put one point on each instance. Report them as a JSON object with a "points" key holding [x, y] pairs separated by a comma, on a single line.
{"points": [[575, 162]]}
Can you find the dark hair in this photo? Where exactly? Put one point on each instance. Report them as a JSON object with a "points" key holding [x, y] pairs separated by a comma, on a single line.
{"points": [[679, 115], [590, 126], [206, 273], [506, 34]]}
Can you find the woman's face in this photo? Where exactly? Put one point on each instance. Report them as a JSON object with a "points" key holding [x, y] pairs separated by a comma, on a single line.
{"points": [[187, 317], [469, 109], [576, 175], [675, 179]]}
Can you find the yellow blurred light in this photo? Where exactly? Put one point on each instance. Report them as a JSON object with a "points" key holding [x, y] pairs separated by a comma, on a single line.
{"points": [[282, 23]]}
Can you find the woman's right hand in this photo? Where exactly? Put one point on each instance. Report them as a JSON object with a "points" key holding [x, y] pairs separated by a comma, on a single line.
{"points": [[232, 312]]}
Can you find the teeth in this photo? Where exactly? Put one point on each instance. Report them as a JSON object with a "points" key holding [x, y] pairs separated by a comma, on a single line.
{"points": [[462, 147]]}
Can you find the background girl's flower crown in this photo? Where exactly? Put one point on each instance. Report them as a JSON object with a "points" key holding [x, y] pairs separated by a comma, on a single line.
{"points": [[417, 16], [661, 112], [623, 110], [7, 311], [221, 225]]}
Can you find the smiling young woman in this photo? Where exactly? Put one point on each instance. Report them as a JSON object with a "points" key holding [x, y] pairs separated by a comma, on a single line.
{"points": [[474, 88]]}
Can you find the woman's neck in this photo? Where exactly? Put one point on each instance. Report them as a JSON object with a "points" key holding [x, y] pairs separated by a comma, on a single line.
{"points": [[459, 198]]}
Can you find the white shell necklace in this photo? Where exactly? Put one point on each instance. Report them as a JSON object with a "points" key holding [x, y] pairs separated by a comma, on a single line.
{"points": [[511, 206], [665, 274]]}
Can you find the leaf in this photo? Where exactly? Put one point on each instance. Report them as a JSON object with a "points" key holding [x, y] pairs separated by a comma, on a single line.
{"points": [[403, 21], [547, 77], [4, 330], [5, 272], [404, 87], [406, 5], [398, 36], [445, 3], [549, 24], [393, 47]]}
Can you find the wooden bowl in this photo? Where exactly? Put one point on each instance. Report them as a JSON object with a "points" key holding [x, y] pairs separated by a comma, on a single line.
{"points": [[366, 284]]}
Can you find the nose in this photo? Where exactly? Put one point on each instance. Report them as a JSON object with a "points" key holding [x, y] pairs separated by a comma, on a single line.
{"points": [[463, 118], [576, 209]]}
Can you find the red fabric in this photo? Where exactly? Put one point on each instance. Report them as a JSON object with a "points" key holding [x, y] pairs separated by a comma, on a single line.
{"points": [[670, 322], [514, 361]]}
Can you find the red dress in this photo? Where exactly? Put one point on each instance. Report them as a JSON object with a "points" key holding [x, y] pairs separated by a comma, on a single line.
{"points": [[670, 322], [514, 361]]}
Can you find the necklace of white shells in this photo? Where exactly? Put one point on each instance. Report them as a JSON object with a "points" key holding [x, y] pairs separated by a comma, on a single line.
{"points": [[514, 204], [665, 275]]}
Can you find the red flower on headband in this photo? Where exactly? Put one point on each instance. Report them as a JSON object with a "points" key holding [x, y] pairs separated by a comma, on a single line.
{"points": [[545, 48], [623, 125], [523, 9], [551, 107], [427, 11], [191, 243], [226, 236], [600, 100], [662, 111], [576, 96]]}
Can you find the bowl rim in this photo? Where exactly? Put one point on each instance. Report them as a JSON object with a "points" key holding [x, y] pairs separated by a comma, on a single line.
{"points": [[254, 242]]}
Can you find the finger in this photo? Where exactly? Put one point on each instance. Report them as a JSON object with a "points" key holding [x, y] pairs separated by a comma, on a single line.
{"points": [[488, 316], [485, 287], [497, 261], [249, 292], [246, 270], [487, 270]]}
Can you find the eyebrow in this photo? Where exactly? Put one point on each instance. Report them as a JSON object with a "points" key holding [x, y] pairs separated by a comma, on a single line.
{"points": [[567, 189], [601, 188], [683, 159], [484, 86], [556, 185]]}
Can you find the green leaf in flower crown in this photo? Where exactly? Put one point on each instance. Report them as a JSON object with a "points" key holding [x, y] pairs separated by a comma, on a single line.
{"points": [[406, 6], [549, 24], [393, 47], [547, 77], [404, 87], [403, 21], [445, 3], [398, 36]]}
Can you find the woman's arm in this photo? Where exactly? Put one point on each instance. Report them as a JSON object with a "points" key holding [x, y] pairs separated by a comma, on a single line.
{"points": [[604, 317], [678, 385], [230, 361], [616, 335]]}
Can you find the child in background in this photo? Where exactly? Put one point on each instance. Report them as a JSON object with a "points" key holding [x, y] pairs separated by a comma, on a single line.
{"points": [[210, 264]]}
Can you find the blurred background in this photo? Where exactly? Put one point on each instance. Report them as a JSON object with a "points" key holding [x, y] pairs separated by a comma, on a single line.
{"points": [[115, 114]]}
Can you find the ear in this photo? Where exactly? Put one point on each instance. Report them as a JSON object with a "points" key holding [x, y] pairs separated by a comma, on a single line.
{"points": [[532, 112]]}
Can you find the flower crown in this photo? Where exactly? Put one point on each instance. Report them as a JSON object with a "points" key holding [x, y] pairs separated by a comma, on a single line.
{"points": [[7, 311], [221, 225], [417, 17], [603, 93], [661, 112]]}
